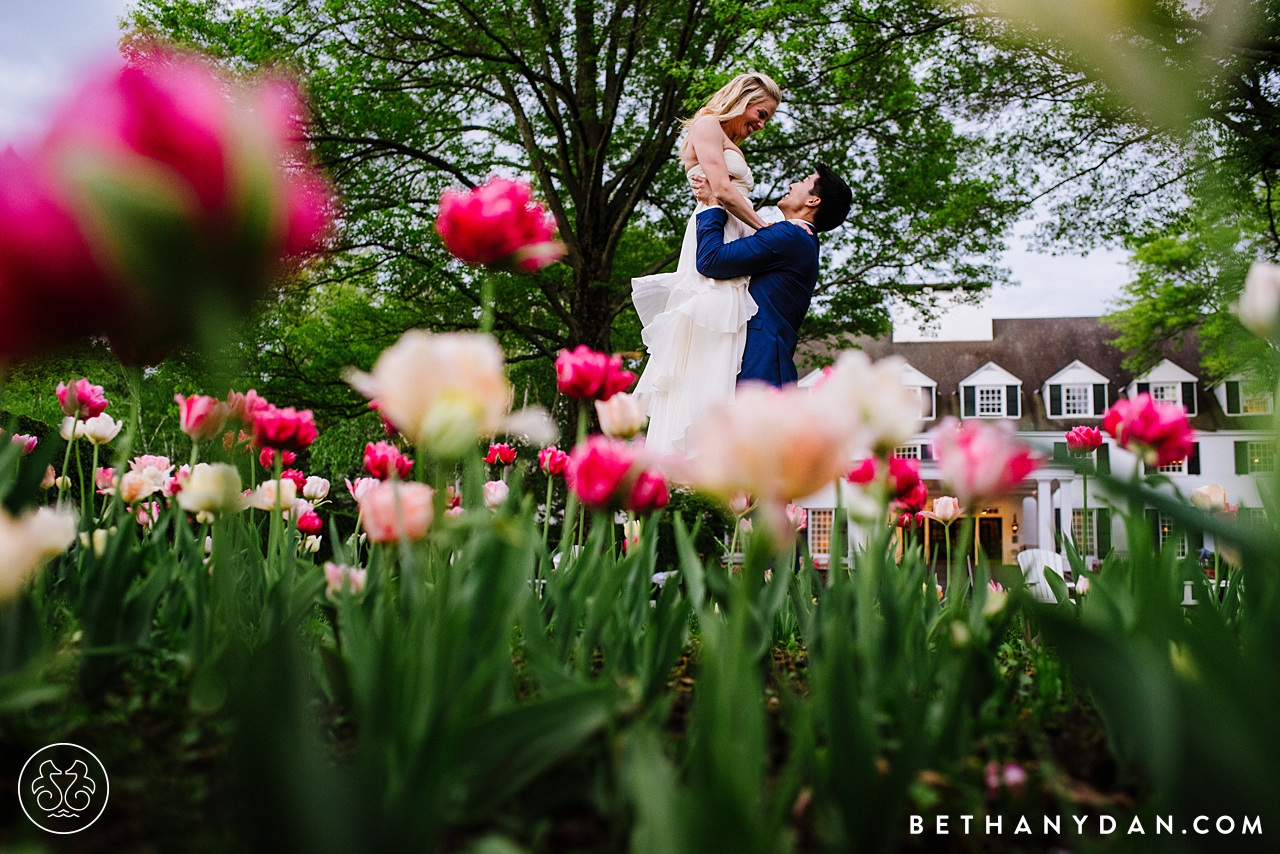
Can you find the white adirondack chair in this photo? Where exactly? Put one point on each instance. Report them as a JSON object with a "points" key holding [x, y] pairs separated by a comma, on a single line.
{"points": [[1033, 563]]}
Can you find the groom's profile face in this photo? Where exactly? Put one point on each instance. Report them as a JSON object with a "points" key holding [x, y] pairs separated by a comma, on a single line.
{"points": [[799, 193]]}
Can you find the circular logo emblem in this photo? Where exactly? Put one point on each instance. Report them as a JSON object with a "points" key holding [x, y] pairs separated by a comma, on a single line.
{"points": [[63, 788]]}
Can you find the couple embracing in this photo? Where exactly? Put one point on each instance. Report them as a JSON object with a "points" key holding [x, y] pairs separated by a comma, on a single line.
{"points": [[731, 311]]}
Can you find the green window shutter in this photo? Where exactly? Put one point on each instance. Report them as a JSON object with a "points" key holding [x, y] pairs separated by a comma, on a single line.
{"points": [[1195, 542], [1144, 388], [1104, 458], [1193, 459], [926, 452], [1189, 397], [1153, 522], [1242, 457], [1012, 402], [970, 395], [1060, 452], [1099, 398], [1233, 397], [1055, 400], [1102, 535]]}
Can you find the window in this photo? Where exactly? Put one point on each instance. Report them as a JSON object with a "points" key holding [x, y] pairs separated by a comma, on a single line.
{"points": [[1077, 399], [1166, 530], [991, 401], [1257, 517], [1262, 457], [907, 452], [1084, 540], [1173, 468], [1256, 404], [1240, 403], [926, 393], [820, 531], [1167, 392]]}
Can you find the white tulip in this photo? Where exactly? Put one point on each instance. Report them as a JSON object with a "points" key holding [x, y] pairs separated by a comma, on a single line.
{"points": [[28, 541], [315, 488], [621, 416], [211, 488], [100, 429]]}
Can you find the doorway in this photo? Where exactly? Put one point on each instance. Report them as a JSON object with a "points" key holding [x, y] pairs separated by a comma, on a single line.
{"points": [[991, 538]]}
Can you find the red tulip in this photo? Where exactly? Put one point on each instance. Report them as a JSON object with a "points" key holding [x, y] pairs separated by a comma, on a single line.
{"points": [[201, 417], [585, 373], [904, 478], [382, 458], [498, 223], [299, 479], [649, 493], [284, 429], [310, 523], [598, 470], [267, 458], [863, 473], [1157, 432], [1083, 440], [913, 500], [503, 454], [980, 460], [82, 399], [553, 460]]}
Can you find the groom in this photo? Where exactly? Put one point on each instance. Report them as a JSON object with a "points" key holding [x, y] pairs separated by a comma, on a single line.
{"points": [[782, 261]]}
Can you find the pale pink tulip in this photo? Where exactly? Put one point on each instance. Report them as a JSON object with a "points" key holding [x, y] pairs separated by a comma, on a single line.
{"points": [[981, 461], [495, 494], [338, 577], [621, 416], [26, 441], [393, 510]]}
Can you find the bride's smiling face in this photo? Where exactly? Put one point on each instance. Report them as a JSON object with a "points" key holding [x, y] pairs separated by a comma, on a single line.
{"points": [[757, 115]]}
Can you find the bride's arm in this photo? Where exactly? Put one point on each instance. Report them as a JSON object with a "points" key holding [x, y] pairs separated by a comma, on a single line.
{"points": [[707, 140]]}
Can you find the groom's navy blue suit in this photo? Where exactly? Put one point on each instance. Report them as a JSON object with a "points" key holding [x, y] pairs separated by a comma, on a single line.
{"points": [[782, 261]]}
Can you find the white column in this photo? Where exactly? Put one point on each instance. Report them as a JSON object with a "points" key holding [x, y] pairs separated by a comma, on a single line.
{"points": [[1044, 514], [1066, 503]]}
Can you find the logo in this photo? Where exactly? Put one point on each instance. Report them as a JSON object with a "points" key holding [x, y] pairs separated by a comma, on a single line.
{"points": [[63, 788]]}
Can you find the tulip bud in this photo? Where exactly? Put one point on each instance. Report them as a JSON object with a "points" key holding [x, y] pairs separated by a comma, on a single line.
{"points": [[621, 416], [495, 494], [26, 441]]}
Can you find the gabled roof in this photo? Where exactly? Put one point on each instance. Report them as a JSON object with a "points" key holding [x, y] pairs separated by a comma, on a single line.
{"points": [[1076, 372], [1167, 371], [911, 376], [991, 374]]}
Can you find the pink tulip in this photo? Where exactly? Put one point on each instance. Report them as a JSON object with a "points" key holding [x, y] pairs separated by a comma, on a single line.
{"points": [[1157, 432], [503, 454], [383, 458], [284, 429], [267, 458], [82, 399], [393, 510], [598, 472], [981, 461], [361, 486], [649, 493], [904, 477], [242, 407], [26, 441], [907, 521], [553, 460], [498, 223], [310, 523], [105, 480], [1014, 777], [585, 373], [337, 577], [175, 484], [308, 202], [798, 517], [864, 472], [51, 288], [495, 494], [1083, 440], [201, 417], [299, 479], [946, 509]]}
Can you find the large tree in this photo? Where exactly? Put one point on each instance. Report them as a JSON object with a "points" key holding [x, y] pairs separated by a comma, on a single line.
{"points": [[411, 97]]}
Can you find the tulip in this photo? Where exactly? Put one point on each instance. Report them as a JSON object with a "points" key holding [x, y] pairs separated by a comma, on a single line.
{"points": [[201, 417], [1259, 305], [299, 479], [621, 416], [26, 441], [584, 373], [981, 461], [395, 510], [906, 520], [495, 494], [945, 509], [914, 500], [498, 224], [98, 540], [1083, 440], [100, 429], [503, 454], [739, 504], [147, 513], [1211, 498], [338, 577], [311, 543], [174, 484], [271, 493], [361, 486], [105, 480], [631, 539], [50, 479], [864, 472], [598, 472], [81, 400], [267, 458], [996, 598], [212, 488], [70, 428], [383, 458], [904, 477], [135, 486], [1082, 585], [284, 429], [1014, 777], [242, 407], [310, 523], [1158, 433], [648, 494], [440, 391], [28, 541], [798, 517], [315, 489], [553, 460]]}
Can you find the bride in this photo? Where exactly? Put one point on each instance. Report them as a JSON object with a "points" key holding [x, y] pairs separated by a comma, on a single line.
{"points": [[695, 328]]}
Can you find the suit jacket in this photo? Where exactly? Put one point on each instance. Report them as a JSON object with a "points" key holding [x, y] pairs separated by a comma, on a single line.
{"points": [[782, 261]]}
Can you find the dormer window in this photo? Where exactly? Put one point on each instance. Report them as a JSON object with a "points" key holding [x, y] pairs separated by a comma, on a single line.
{"points": [[1168, 383], [1076, 391], [1236, 399], [991, 392], [926, 388]]}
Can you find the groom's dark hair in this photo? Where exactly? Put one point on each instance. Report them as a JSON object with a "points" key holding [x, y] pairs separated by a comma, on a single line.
{"points": [[836, 198]]}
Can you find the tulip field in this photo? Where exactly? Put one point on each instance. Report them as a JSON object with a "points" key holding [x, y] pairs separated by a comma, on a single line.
{"points": [[511, 632]]}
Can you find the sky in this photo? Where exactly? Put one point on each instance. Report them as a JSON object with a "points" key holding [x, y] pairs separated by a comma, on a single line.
{"points": [[45, 45]]}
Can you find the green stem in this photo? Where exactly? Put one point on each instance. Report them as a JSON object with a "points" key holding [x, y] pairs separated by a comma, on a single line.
{"points": [[488, 285], [546, 518], [84, 498], [66, 464], [835, 561], [1085, 513], [93, 480]]}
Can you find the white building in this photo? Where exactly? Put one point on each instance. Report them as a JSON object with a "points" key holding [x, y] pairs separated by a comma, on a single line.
{"points": [[1045, 376]]}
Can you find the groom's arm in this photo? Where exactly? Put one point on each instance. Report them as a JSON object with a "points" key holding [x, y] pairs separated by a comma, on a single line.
{"points": [[746, 256]]}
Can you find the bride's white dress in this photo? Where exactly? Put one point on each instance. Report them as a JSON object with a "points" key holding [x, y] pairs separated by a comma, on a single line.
{"points": [[695, 330]]}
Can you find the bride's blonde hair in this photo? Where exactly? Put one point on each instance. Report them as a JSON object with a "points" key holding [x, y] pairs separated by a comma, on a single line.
{"points": [[735, 96]]}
